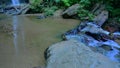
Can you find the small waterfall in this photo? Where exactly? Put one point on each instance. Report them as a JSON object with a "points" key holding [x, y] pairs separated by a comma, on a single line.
{"points": [[15, 2]]}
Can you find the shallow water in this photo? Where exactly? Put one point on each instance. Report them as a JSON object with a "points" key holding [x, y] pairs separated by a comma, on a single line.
{"points": [[31, 36]]}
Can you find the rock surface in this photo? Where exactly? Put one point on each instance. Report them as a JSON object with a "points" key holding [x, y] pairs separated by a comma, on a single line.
{"points": [[58, 13], [74, 54], [101, 18], [71, 11]]}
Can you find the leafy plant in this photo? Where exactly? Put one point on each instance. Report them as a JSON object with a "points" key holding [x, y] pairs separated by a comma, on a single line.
{"points": [[85, 14], [49, 11], [68, 3], [119, 20], [35, 6]]}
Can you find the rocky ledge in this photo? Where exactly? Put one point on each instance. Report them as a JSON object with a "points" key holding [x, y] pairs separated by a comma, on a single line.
{"points": [[74, 54]]}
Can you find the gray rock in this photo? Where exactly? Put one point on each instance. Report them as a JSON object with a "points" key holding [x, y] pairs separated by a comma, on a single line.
{"points": [[58, 13], [93, 28], [71, 11], [74, 54], [101, 18], [1, 10]]}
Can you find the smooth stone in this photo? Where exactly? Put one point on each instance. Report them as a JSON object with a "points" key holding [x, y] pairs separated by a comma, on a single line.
{"points": [[74, 54]]}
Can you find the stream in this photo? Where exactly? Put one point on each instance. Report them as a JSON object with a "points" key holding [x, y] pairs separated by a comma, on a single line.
{"points": [[30, 37], [97, 39]]}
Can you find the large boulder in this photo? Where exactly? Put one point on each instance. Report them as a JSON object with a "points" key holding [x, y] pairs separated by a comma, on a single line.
{"points": [[71, 11], [74, 54]]}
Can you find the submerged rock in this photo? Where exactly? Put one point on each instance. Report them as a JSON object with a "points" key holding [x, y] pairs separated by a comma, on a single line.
{"points": [[74, 54], [41, 16]]}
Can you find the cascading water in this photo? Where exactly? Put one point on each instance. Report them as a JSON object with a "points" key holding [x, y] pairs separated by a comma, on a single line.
{"points": [[15, 2], [93, 36]]}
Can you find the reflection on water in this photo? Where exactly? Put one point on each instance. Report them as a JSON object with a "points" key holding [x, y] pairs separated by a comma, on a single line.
{"points": [[18, 32], [15, 36], [31, 37]]}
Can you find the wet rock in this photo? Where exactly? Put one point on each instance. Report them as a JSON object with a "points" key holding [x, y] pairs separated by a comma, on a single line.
{"points": [[101, 51], [71, 11], [100, 40], [99, 37], [93, 28], [116, 36], [46, 54], [74, 54], [118, 56], [95, 49], [112, 27], [106, 47], [111, 43], [1, 9], [118, 41]]}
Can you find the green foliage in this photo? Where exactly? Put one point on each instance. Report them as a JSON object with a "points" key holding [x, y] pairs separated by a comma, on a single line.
{"points": [[57, 1], [119, 20], [71, 2], [49, 7], [116, 12], [68, 3], [35, 6], [113, 7], [85, 3], [49, 11], [85, 14]]}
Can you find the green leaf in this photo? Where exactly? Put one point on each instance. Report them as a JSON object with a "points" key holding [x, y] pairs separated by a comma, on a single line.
{"points": [[57, 1]]}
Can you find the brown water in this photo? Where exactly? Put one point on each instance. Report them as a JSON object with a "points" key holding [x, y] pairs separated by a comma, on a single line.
{"points": [[31, 36]]}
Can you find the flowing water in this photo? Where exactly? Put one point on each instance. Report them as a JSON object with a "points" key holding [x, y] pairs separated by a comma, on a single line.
{"points": [[89, 35], [31, 36], [15, 2]]}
